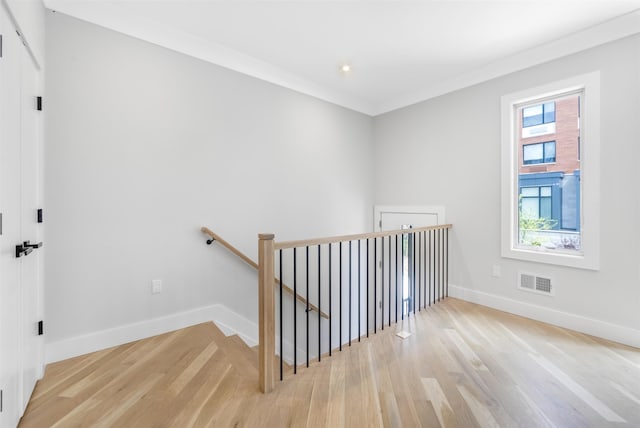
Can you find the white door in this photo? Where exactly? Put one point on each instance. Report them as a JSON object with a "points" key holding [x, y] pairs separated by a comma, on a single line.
{"points": [[32, 347], [10, 297], [394, 218], [398, 288], [21, 348]]}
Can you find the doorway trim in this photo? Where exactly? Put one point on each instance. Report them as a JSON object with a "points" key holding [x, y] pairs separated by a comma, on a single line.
{"points": [[438, 210]]}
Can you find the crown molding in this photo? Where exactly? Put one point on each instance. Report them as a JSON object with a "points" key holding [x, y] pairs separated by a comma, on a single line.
{"points": [[114, 17], [110, 15], [609, 31]]}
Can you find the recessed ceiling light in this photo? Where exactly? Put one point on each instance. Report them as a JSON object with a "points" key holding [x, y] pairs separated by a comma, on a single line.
{"points": [[346, 68]]}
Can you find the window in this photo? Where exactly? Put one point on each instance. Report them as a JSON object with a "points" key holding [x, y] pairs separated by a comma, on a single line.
{"points": [[539, 205], [538, 114], [535, 202], [549, 195], [539, 153]]}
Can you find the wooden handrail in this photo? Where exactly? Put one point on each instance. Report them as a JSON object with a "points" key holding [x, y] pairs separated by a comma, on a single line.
{"points": [[344, 238], [437, 280], [254, 265], [230, 247]]}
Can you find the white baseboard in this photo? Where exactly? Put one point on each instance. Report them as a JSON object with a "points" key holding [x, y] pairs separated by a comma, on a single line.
{"points": [[231, 322], [227, 320], [593, 327]]}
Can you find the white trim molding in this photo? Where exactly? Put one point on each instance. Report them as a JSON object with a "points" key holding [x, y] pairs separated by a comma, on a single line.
{"points": [[227, 320], [609, 31], [617, 333], [588, 85], [109, 15], [437, 210]]}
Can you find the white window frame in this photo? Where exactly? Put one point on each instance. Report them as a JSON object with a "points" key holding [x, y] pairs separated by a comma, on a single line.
{"points": [[589, 255]]}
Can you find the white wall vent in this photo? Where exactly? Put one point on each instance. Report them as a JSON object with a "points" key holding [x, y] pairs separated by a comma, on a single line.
{"points": [[535, 283]]}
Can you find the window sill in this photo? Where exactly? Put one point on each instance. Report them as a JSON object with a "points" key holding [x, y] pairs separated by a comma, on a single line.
{"points": [[568, 258]]}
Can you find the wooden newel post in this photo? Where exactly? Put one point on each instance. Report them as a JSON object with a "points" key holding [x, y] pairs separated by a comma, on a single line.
{"points": [[266, 311]]}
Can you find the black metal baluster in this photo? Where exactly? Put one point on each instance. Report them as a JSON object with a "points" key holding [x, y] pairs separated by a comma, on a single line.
{"points": [[436, 262], [441, 266], [402, 275], [295, 313], [340, 293], [330, 319], [280, 276], [350, 275], [443, 262], [413, 239], [319, 310], [436, 252], [389, 305], [419, 271], [435, 266], [438, 257], [307, 311], [425, 268], [430, 275], [375, 286], [359, 297], [447, 259], [367, 282], [382, 283], [397, 236]]}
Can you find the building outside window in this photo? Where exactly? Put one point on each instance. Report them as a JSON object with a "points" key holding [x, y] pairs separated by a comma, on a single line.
{"points": [[536, 202], [539, 114], [539, 153], [549, 174]]}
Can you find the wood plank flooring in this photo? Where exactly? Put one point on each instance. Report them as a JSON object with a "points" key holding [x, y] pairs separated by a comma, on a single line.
{"points": [[464, 365]]}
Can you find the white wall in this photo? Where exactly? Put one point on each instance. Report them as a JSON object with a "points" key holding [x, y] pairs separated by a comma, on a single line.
{"points": [[447, 151], [146, 145], [28, 16]]}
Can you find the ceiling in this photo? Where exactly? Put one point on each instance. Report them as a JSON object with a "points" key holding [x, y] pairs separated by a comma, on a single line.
{"points": [[401, 51]]}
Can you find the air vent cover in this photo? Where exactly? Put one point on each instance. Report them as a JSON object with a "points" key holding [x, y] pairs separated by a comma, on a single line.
{"points": [[535, 283]]}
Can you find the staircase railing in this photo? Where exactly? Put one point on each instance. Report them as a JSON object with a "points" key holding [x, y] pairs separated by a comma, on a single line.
{"points": [[366, 281], [214, 237]]}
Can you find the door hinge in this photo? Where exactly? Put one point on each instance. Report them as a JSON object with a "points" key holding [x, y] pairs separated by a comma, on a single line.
{"points": [[40, 215], [0, 223], [0, 45], [380, 224], [0, 400], [39, 103], [40, 328]]}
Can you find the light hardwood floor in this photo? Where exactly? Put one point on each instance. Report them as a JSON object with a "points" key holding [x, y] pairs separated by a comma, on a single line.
{"points": [[464, 365]]}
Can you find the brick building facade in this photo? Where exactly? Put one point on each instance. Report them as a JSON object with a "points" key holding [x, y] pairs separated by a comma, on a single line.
{"points": [[549, 162]]}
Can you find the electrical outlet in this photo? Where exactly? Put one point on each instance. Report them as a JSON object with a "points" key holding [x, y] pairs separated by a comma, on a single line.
{"points": [[496, 271], [156, 286]]}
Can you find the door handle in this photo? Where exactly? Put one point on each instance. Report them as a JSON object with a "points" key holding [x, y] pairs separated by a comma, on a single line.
{"points": [[25, 248], [22, 251], [27, 244]]}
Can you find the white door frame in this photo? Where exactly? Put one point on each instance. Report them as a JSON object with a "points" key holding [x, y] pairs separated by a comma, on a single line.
{"points": [[21, 282], [437, 210]]}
